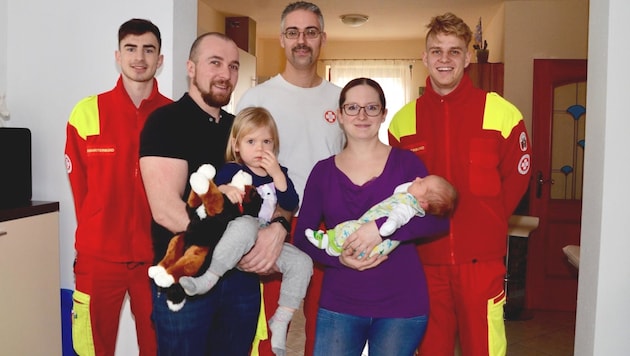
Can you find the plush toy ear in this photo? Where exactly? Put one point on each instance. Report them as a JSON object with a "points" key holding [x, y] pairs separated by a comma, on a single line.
{"points": [[194, 200], [213, 200], [241, 179], [200, 184], [207, 170], [199, 181]]}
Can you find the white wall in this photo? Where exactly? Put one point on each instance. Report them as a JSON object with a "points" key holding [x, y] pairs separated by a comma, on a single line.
{"points": [[532, 31], [604, 281], [3, 45], [52, 54], [246, 78]]}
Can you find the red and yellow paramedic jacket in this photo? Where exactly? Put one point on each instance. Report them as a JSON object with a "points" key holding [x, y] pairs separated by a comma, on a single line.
{"points": [[102, 160], [477, 140]]}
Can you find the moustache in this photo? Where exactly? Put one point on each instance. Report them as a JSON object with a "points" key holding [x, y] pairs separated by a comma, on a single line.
{"points": [[223, 83], [302, 47]]}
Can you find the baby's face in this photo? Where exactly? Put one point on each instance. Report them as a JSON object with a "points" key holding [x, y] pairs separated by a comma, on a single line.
{"points": [[418, 188]]}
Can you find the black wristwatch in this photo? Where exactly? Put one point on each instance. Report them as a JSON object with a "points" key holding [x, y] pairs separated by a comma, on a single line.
{"points": [[283, 221]]}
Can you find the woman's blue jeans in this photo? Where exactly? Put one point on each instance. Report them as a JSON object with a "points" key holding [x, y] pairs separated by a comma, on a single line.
{"points": [[345, 335], [221, 322]]}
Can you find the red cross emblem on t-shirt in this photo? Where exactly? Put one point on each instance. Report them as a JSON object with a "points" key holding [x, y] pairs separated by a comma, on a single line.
{"points": [[330, 116]]}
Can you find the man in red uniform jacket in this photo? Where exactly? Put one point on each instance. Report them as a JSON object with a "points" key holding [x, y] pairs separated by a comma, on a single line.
{"points": [[113, 237], [477, 140]]}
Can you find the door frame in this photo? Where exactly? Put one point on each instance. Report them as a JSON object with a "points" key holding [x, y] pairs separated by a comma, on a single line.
{"points": [[548, 74]]}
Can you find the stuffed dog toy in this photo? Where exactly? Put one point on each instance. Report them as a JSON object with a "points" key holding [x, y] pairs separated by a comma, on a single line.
{"points": [[210, 212]]}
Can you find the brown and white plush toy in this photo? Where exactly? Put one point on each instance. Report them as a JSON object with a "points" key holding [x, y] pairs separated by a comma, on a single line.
{"points": [[210, 212]]}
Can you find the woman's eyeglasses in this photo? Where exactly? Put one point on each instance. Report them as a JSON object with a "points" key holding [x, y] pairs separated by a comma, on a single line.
{"points": [[354, 109]]}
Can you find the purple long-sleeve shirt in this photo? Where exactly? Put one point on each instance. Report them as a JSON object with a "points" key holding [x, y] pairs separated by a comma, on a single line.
{"points": [[397, 287]]}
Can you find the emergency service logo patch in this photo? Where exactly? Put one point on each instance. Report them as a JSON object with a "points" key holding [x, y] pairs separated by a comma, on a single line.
{"points": [[522, 139], [68, 164], [524, 163], [330, 116]]}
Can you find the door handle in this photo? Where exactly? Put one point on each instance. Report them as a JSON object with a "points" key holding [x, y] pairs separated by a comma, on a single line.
{"points": [[540, 180]]}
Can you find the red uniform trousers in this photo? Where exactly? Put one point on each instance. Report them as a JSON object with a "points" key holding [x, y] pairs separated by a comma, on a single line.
{"points": [[465, 300], [271, 295], [106, 284]]}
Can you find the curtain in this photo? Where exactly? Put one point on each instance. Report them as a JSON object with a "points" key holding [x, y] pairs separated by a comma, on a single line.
{"points": [[393, 75]]}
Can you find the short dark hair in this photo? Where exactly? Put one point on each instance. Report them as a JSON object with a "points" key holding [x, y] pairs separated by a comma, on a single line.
{"points": [[194, 47], [302, 5], [362, 81], [139, 27]]}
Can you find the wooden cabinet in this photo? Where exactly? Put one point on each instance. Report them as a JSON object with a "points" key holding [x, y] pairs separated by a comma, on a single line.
{"points": [[487, 76], [29, 270]]}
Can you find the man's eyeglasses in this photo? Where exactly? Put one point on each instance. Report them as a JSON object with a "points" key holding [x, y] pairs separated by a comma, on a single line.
{"points": [[354, 109], [309, 33]]}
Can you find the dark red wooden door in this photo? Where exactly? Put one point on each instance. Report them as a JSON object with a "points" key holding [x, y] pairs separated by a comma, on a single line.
{"points": [[555, 194]]}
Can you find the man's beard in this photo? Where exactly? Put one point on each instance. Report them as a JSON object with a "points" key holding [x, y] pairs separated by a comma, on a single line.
{"points": [[214, 100]]}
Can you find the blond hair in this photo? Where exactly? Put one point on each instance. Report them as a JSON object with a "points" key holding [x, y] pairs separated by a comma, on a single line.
{"points": [[449, 24], [248, 120]]}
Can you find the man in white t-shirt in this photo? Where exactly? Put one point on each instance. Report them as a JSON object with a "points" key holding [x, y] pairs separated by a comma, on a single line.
{"points": [[304, 106]]}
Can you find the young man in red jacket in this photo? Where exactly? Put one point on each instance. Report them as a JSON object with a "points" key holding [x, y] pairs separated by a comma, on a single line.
{"points": [[113, 237], [477, 140]]}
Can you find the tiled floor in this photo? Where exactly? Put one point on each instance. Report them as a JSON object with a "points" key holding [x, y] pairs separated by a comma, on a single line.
{"points": [[545, 334], [295, 340]]}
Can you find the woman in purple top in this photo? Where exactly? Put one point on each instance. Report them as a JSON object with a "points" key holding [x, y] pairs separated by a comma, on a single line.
{"points": [[379, 299]]}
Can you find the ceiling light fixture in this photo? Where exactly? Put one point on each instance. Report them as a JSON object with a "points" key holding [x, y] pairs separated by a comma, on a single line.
{"points": [[353, 20]]}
